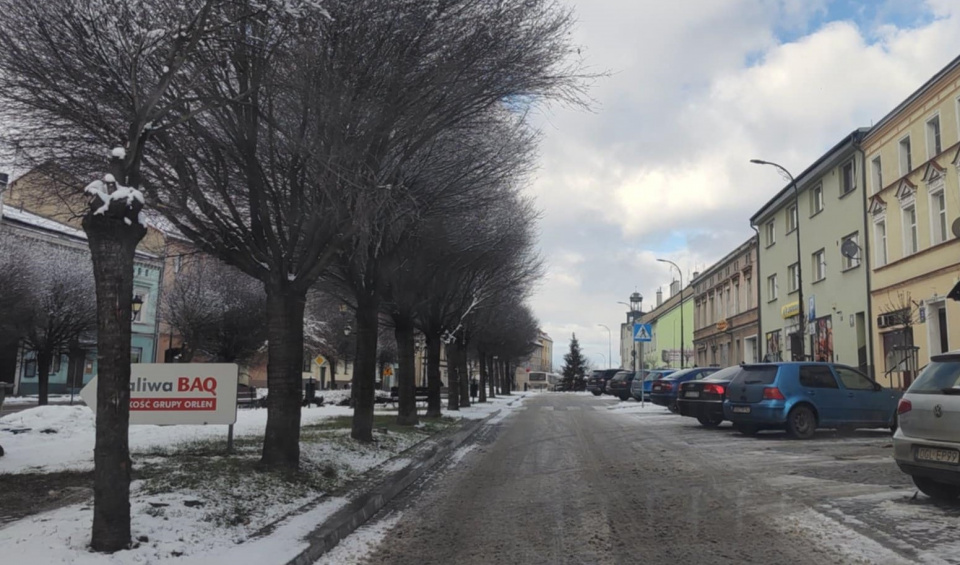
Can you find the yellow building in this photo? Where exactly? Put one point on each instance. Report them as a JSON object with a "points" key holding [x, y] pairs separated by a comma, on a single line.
{"points": [[912, 159]]}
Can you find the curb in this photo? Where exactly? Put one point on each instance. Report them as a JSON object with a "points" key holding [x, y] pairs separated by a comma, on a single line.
{"points": [[346, 520]]}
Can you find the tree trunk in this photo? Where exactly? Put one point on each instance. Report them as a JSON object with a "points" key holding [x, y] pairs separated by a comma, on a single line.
{"points": [[43, 376], [434, 384], [482, 389], [281, 442], [464, 373], [406, 371], [365, 367], [112, 243], [453, 377], [492, 377], [507, 379]]}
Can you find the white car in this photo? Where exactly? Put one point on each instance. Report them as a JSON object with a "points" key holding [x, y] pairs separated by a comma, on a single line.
{"points": [[926, 444]]}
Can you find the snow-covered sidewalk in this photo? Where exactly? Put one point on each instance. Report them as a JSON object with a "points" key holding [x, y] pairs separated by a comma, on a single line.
{"points": [[190, 502]]}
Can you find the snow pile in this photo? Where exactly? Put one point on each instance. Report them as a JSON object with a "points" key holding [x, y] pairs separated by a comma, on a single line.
{"points": [[355, 548], [101, 189], [633, 407]]}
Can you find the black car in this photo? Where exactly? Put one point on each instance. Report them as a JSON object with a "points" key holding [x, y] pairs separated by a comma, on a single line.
{"points": [[619, 385], [598, 379], [703, 399]]}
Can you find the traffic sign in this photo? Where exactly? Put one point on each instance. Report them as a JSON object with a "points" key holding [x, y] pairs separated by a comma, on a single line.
{"points": [[642, 332], [319, 360]]}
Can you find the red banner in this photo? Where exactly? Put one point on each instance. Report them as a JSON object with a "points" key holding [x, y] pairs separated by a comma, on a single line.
{"points": [[173, 404]]}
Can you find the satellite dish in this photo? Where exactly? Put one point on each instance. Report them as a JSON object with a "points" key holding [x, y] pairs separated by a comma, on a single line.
{"points": [[955, 228], [850, 249]]}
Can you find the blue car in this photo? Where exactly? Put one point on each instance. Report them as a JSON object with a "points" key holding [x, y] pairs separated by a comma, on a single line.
{"points": [[801, 397], [650, 376], [664, 391]]}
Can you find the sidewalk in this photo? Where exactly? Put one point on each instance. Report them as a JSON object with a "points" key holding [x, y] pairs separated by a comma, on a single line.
{"points": [[179, 520]]}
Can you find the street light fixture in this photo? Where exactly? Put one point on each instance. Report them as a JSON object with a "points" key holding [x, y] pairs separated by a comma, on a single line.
{"points": [[609, 344], [135, 305], [796, 202], [683, 343]]}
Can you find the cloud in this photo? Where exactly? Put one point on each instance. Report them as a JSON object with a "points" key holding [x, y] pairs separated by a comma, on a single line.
{"points": [[661, 166]]}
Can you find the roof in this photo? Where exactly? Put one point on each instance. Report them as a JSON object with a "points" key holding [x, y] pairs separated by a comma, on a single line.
{"points": [[951, 66], [32, 220], [813, 171], [745, 246]]}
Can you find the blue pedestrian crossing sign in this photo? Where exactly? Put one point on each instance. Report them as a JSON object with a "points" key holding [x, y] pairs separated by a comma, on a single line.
{"points": [[642, 332]]}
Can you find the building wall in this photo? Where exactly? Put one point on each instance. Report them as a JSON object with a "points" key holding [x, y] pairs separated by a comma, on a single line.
{"points": [[835, 307], [903, 280], [725, 310], [664, 349]]}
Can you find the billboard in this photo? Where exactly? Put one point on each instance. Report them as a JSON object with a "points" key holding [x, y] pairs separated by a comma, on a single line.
{"points": [[173, 393]]}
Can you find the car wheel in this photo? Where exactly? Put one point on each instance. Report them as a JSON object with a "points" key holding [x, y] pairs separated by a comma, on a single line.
{"points": [[895, 424], [801, 422], [747, 429], [597, 393], [709, 422], [673, 407], [935, 490]]}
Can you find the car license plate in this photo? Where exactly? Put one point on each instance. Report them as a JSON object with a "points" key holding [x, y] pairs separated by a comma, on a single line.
{"points": [[692, 394], [950, 456], [741, 409]]}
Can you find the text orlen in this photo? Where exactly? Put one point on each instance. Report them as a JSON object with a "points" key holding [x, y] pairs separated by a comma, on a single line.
{"points": [[173, 404]]}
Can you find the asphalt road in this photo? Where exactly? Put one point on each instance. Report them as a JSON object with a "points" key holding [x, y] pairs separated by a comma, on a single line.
{"points": [[577, 479]]}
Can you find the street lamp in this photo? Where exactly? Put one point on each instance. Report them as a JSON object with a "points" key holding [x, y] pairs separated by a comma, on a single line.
{"points": [[135, 305], [683, 355], [609, 344], [796, 201]]}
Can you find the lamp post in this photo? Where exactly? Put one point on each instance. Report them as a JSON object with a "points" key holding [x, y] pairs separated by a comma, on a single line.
{"points": [[796, 201], [135, 305], [636, 303], [609, 344], [683, 353]]}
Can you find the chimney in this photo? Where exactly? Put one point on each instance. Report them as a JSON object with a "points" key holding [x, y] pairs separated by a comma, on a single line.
{"points": [[674, 288], [659, 297], [695, 275]]}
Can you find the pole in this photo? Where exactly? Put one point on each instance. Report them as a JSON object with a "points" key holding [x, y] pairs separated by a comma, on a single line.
{"points": [[230, 438], [796, 202], [643, 377], [609, 345]]}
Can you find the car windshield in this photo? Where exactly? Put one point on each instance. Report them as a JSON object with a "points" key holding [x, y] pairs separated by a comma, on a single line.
{"points": [[937, 378], [679, 374], [724, 374]]}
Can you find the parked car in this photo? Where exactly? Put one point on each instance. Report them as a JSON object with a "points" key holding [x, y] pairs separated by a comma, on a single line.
{"points": [[663, 391], [926, 444], [619, 385], [598, 379], [703, 399], [801, 397], [649, 377]]}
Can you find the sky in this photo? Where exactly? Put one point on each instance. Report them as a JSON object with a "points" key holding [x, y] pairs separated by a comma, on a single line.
{"points": [[658, 167]]}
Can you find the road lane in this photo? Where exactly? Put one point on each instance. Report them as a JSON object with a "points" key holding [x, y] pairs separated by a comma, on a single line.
{"points": [[567, 480]]}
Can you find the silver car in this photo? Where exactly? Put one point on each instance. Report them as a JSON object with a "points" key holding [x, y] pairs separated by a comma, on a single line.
{"points": [[926, 444]]}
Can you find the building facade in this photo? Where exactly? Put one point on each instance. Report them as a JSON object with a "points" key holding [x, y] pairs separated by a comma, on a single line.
{"points": [[71, 370], [725, 309], [913, 158], [824, 213], [541, 359], [671, 324]]}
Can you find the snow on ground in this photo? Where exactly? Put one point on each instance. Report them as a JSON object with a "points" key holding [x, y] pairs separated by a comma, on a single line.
{"points": [[355, 547], [633, 407], [71, 447], [61, 537], [846, 542], [53, 398]]}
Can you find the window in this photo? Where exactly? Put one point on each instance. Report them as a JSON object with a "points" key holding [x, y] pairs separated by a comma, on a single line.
{"points": [[771, 232], [853, 380], [772, 287], [876, 174], [848, 178], [851, 262], [30, 369], [307, 366], [880, 230], [816, 200], [136, 354], [749, 294], [910, 244], [793, 274], [729, 311], [933, 137], [819, 266], [938, 219], [791, 218], [178, 263], [906, 165], [817, 376], [736, 297]]}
